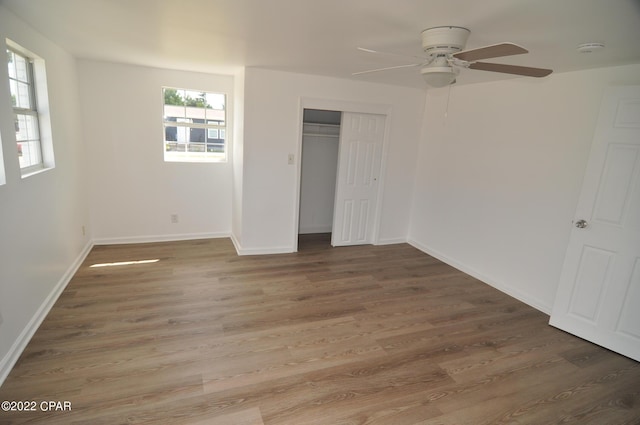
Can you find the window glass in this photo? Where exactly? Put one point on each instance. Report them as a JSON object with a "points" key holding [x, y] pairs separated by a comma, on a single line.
{"points": [[25, 111], [194, 125]]}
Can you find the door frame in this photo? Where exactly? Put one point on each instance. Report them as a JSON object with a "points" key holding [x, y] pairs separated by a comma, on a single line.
{"points": [[342, 106]]}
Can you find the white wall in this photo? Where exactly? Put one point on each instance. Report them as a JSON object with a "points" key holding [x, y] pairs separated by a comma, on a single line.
{"points": [[273, 117], [133, 191], [41, 216], [237, 160], [498, 178]]}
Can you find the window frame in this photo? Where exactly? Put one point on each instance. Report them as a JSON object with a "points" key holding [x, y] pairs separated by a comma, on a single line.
{"points": [[187, 127], [32, 112], [39, 110]]}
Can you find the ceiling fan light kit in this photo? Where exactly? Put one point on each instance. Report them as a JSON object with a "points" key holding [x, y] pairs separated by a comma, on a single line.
{"points": [[437, 43], [444, 46], [439, 76], [439, 73]]}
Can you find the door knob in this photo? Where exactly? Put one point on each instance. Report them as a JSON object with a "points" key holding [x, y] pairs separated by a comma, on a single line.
{"points": [[581, 224]]}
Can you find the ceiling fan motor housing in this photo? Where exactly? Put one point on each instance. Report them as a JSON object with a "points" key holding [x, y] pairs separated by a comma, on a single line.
{"points": [[444, 40]]}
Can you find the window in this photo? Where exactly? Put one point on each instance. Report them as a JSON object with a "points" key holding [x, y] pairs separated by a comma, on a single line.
{"points": [[22, 85], [194, 126]]}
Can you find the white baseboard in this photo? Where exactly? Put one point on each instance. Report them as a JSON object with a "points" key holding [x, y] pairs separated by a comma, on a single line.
{"points": [[263, 251], [240, 250], [158, 238], [392, 241], [236, 243], [12, 356], [525, 298]]}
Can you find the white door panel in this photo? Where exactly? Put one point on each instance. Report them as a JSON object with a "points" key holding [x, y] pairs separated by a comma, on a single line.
{"points": [[599, 292], [360, 151]]}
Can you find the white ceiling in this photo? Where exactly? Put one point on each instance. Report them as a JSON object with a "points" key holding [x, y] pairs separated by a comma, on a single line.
{"points": [[321, 36]]}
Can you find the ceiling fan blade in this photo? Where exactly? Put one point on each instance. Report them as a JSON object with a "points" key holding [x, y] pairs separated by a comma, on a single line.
{"points": [[386, 68], [378, 52], [511, 69], [492, 51]]}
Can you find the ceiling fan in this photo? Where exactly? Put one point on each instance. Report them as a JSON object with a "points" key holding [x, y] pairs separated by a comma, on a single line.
{"points": [[444, 57]]}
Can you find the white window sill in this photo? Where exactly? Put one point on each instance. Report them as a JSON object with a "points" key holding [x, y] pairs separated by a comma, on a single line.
{"points": [[173, 157], [32, 172]]}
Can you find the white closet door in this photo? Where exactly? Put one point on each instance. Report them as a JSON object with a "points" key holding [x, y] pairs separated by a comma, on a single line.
{"points": [[360, 153]]}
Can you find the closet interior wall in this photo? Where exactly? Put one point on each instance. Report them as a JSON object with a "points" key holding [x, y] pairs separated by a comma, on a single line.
{"points": [[320, 141]]}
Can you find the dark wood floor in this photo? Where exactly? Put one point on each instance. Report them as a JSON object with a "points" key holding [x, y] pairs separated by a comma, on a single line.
{"points": [[357, 335]]}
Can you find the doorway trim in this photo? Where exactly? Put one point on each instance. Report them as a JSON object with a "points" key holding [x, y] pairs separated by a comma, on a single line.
{"points": [[342, 106]]}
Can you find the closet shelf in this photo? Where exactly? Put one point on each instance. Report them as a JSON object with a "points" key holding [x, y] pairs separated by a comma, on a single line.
{"points": [[321, 130], [336, 136]]}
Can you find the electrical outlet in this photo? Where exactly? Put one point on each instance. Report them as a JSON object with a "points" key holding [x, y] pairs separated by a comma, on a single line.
{"points": [[292, 159], [174, 218]]}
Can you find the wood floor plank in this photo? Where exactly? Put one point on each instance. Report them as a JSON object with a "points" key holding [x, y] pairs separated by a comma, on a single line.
{"points": [[244, 417], [326, 336]]}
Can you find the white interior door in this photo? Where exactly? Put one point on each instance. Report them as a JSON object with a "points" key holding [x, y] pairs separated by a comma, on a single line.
{"points": [[598, 296], [360, 152]]}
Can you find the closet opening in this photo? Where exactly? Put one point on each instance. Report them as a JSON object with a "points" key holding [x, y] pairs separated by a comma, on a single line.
{"points": [[319, 167]]}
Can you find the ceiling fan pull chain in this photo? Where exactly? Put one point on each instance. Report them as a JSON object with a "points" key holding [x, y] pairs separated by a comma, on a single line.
{"points": [[446, 111]]}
